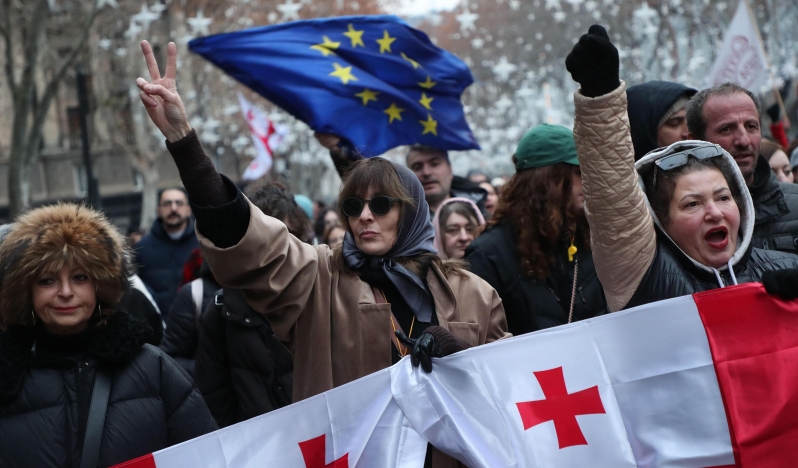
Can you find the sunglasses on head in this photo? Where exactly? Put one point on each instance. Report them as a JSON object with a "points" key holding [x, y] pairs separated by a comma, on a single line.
{"points": [[379, 205], [680, 159]]}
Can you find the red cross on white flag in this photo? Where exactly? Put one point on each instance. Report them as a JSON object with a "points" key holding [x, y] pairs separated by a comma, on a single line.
{"points": [[266, 136]]}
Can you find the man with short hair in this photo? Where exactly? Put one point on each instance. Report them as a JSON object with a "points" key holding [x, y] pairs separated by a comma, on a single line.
{"points": [[657, 114], [160, 255], [434, 171], [730, 116]]}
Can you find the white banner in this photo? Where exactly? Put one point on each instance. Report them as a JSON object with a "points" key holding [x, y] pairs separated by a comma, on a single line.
{"points": [[266, 136], [742, 58]]}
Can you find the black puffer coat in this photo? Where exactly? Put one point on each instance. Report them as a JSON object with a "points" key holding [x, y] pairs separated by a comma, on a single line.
{"points": [[775, 210], [181, 336], [242, 369], [46, 383], [532, 304]]}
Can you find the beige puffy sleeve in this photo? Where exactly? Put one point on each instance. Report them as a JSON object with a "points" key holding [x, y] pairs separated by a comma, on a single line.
{"points": [[623, 236]]}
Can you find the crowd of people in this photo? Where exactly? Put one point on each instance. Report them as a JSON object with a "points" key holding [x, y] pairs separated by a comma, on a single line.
{"points": [[236, 303]]}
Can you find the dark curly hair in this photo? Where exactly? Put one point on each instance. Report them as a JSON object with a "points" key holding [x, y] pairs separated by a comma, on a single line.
{"points": [[537, 203]]}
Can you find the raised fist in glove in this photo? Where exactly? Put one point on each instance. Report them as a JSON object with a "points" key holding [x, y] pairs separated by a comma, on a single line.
{"points": [[782, 283], [434, 342], [594, 63]]}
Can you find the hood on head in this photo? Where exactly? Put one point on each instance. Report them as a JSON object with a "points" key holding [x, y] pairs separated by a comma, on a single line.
{"points": [[648, 102], [436, 222], [646, 164]]}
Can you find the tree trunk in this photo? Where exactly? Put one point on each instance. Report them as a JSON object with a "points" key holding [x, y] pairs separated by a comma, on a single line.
{"points": [[149, 198], [18, 185]]}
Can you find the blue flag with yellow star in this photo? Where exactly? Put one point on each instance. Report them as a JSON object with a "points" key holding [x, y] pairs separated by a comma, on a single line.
{"points": [[371, 79]]}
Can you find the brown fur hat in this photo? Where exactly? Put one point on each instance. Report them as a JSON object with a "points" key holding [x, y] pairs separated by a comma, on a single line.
{"points": [[45, 239]]}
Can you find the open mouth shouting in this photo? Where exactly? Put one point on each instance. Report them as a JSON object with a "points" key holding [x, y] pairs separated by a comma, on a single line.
{"points": [[717, 237]]}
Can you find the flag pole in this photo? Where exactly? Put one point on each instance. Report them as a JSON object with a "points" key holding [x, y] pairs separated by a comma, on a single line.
{"points": [[774, 89]]}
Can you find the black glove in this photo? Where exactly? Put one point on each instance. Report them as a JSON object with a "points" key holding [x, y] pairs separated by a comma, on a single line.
{"points": [[782, 283], [594, 63], [774, 112], [422, 349]]}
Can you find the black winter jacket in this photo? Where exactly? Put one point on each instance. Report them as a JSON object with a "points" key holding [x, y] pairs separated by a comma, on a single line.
{"points": [[242, 370], [673, 274], [775, 209], [531, 304], [160, 262], [140, 308], [46, 382], [181, 337]]}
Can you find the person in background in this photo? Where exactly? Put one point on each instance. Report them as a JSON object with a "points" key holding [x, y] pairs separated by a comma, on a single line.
{"points": [[657, 114], [536, 251], [134, 235], [457, 223], [306, 204], [327, 217], [161, 254], [334, 236], [778, 161], [434, 171], [728, 115], [498, 184], [477, 177], [63, 270], [492, 200], [243, 370]]}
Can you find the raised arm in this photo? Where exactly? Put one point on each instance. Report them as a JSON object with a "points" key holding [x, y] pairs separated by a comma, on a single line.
{"points": [[622, 231]]}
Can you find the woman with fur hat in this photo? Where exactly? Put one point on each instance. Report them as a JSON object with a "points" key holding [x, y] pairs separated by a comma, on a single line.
{"points": [[63, 270], [678, 221]]}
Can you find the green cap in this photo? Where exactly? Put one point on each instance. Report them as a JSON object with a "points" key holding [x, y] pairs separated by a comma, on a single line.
{"points": [[545, 145]]}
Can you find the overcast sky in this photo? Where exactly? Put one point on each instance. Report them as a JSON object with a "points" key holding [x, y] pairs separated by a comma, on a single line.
{"points": [[419, 7]]}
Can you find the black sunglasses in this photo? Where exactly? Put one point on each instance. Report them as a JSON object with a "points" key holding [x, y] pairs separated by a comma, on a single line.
{"points": [[680, 159], [379, 205]]}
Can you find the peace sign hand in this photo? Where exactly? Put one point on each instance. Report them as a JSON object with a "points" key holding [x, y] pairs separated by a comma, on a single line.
{"points": [[160, 96]]}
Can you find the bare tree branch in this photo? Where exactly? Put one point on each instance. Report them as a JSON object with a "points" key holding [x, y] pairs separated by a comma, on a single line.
{"points": [[51, 88], [8, 35]]}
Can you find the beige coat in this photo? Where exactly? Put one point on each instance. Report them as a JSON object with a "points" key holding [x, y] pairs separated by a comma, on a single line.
{"points": [[623, 236], [335, 328]]}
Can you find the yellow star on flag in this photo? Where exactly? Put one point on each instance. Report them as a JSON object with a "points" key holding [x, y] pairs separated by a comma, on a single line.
{"points": [[326, 48], [395, 113], [428, 84], [426, 101], [355, 36], [368, 95], [412, 62], [344, 73], [430, 126], [385, 42]]}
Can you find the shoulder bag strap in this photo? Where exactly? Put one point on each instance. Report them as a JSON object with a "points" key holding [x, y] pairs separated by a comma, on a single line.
{"points": [[96, 422]]}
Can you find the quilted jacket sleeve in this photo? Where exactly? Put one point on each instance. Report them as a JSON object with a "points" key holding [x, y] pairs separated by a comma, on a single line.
{"points": [[622, 231]]}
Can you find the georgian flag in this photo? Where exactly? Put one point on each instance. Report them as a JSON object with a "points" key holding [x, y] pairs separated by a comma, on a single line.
{"points": [[266, 136], [707, 380]]}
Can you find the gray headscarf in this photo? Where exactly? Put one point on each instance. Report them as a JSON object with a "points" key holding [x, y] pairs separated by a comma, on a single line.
{"points": [[416, 236]]}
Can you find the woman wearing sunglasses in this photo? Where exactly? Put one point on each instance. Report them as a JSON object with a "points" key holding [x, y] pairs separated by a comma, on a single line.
{"points": [[337, 309], [684, 225]]}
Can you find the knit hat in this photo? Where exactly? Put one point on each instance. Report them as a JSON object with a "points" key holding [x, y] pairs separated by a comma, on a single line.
{"points": [[680, 104], [545, 145], [46, 238]]}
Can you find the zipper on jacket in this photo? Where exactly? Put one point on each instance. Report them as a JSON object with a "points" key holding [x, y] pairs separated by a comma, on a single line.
{"points": [[765, 244]]}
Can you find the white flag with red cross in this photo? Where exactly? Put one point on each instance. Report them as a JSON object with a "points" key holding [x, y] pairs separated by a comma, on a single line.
{"points": [[266, 136], [709, 380], [742, 58]]}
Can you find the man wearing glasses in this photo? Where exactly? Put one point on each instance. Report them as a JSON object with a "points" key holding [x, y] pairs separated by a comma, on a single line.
{"points": [[160, 255]]}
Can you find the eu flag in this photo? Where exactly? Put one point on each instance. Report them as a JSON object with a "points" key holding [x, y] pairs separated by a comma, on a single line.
{"points": [[371, 79]]}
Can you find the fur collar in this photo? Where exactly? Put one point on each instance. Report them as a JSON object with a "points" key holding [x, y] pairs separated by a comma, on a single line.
{"points": [[115, 343]]}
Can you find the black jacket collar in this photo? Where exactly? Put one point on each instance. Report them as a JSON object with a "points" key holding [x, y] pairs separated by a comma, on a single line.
{"points": [[768, 199], [114, 343]]}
